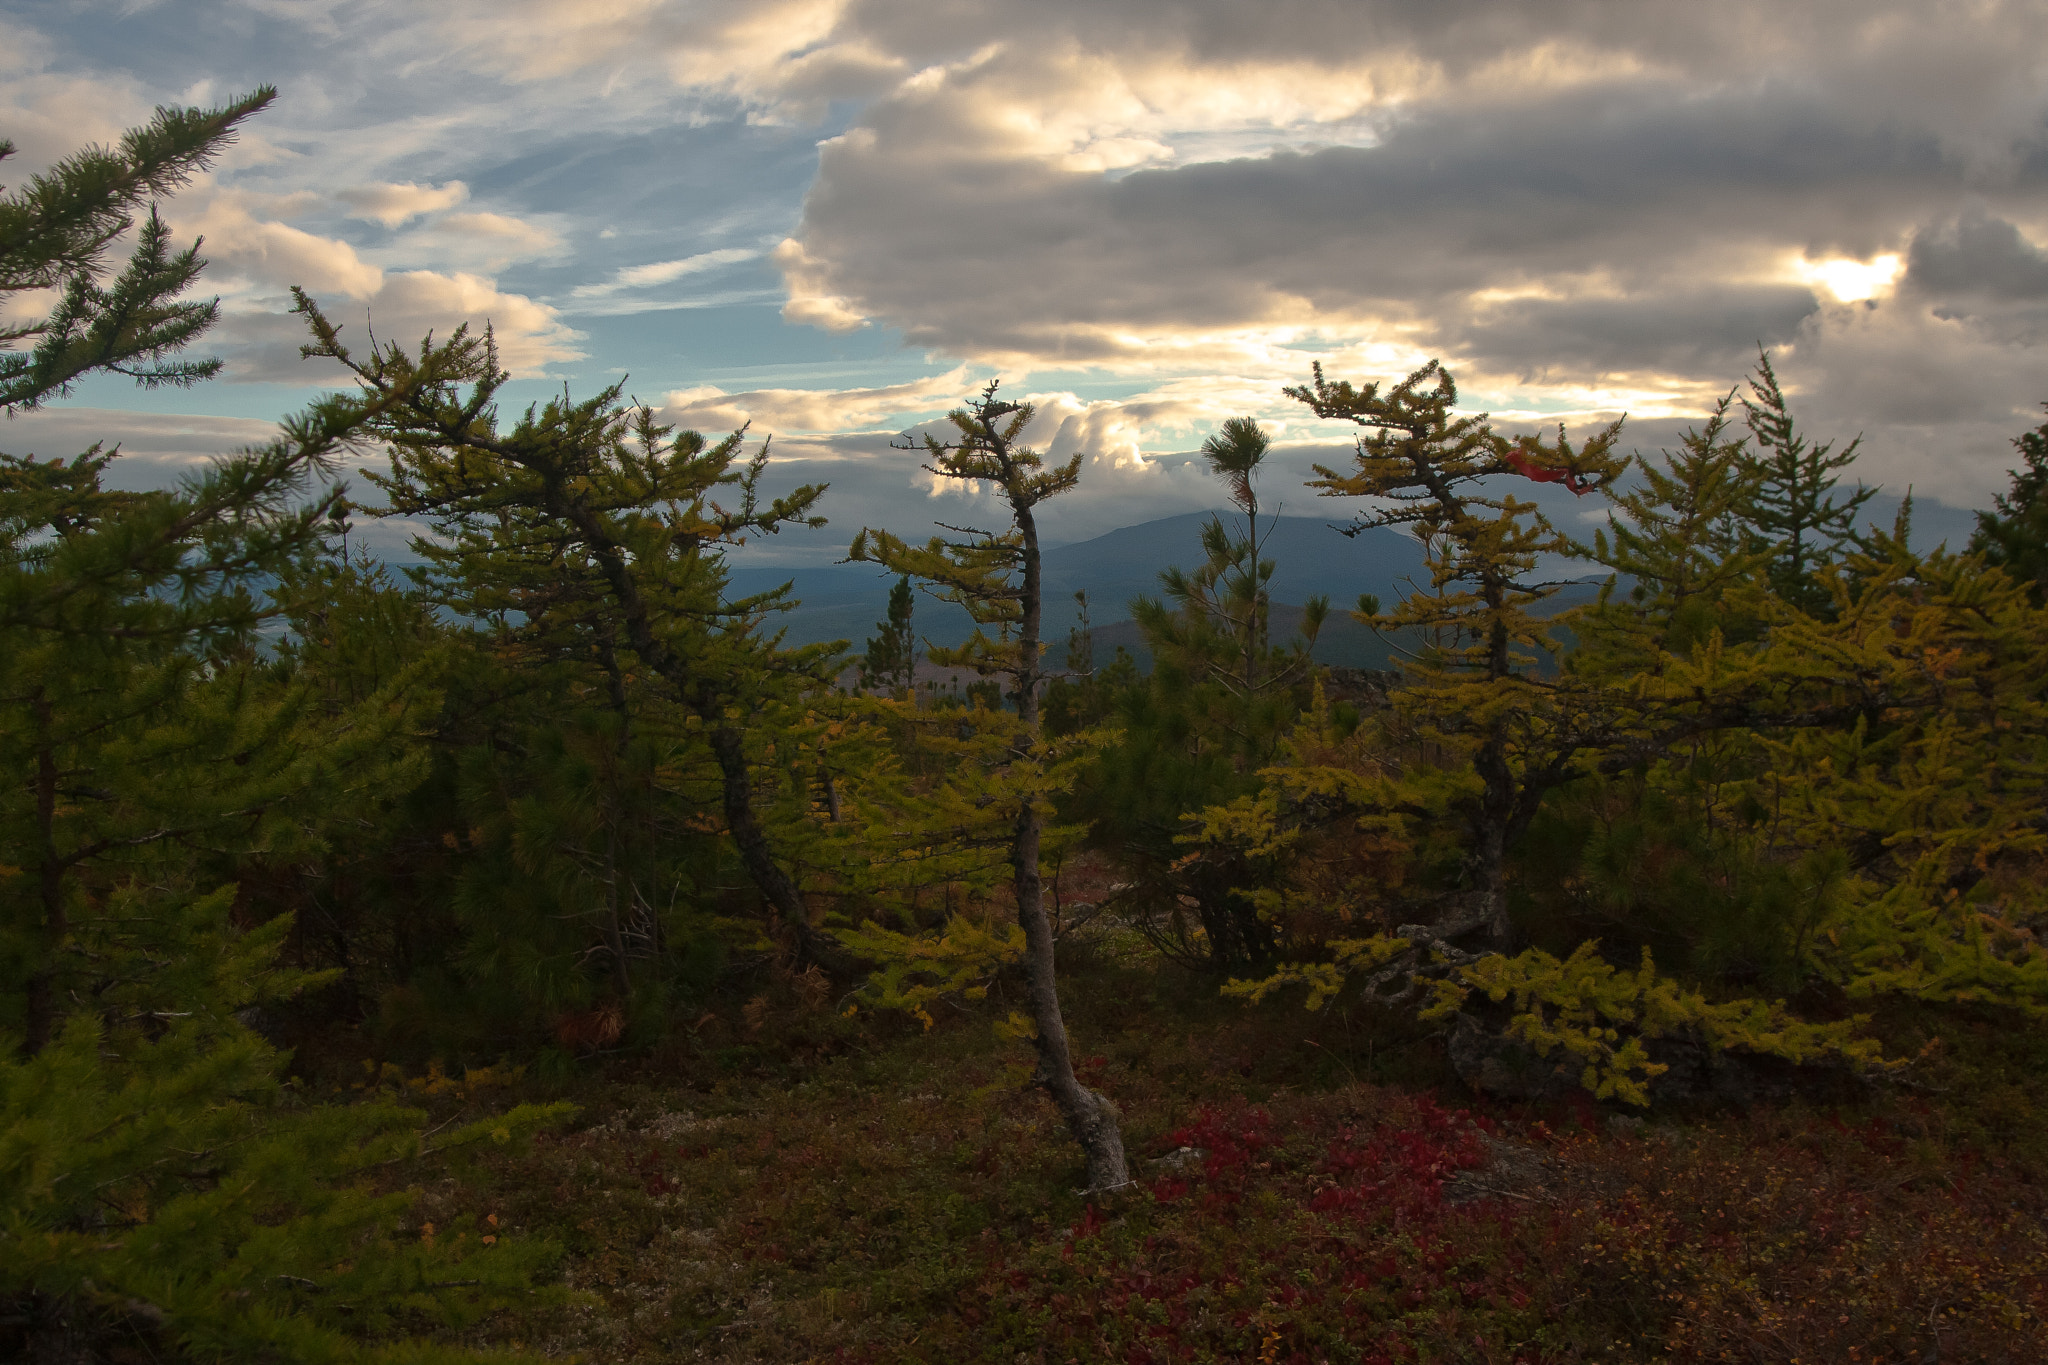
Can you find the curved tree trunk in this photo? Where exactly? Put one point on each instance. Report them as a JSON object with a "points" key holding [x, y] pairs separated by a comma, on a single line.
{"points": [[810, 945], [1091, 1116]]}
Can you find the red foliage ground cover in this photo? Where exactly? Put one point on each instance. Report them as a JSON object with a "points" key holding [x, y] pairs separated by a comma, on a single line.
{"points": [[1420, 1233], [912, 1199]]}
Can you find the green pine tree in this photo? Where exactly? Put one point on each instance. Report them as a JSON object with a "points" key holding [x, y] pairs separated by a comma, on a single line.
{"points": [[157, 1185], [2014, 536], [891, 657], [1792, 509], [1220, 698], [132, 702]]}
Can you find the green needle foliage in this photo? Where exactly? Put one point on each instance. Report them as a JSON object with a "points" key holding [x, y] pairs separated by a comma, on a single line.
{"points": [[159, 1187], [1216, 624], [1678, 534], [592, 533], [158, 1184], [1221, 697], [55, 232], [2014, 535], [155, 1180], [891, 659], [1793, 514], [132, 701]]}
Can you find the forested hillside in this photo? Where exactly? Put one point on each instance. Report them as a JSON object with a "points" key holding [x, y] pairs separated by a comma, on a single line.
{"points": [[537, 950]]}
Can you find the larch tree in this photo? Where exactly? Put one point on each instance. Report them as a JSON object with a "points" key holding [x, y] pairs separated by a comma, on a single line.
{"points": [[998, 576], [1872, 764], [613, 521], [1478, 690]]}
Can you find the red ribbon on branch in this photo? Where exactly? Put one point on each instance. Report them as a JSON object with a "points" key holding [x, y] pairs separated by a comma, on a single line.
{"points": [[1519, 461]]}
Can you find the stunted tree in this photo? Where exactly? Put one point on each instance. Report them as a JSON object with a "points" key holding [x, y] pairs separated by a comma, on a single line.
{"points": [[998, 576], [1219, 622], [1220, 697], [1478, 689], [603, 526], [1481, 736]]}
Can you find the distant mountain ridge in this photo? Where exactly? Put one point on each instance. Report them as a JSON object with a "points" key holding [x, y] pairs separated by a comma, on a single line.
{"points": [[1310, 556]]}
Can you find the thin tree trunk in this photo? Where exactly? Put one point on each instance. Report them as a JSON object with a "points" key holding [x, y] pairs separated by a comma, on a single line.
{"points": [[811, 947], [614, 935], [728, 746], [831, 792], [1091, 1116], [1488, 862]]}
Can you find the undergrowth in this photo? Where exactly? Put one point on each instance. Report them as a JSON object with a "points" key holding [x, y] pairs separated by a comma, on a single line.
{"points": [[790, 1184]]}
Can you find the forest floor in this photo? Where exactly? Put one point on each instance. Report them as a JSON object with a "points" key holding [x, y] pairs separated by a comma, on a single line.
{"points": [[786, 1183]]}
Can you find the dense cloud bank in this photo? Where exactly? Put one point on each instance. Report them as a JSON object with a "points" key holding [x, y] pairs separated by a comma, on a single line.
{"points": [[1148, 214]]}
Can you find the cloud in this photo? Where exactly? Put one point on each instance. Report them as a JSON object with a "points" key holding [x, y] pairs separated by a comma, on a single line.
{"points": [[1937, 399], [393, 204], [1583, 207], [241, 244], [1604, 208], [49, 115], [790, 55], [530, 335], [256, 259], [708, 408], [157, 449], [663, 272], [1587, 194], [1977, 257], [406, 306], [482, 241]]}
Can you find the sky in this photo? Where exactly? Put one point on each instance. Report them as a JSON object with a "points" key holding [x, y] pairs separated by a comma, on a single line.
{"points": [[834, 219]]}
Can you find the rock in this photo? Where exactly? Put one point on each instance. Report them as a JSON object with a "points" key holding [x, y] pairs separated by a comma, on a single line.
{"points": [[1695, 1074], [1512, 1171], [1505, 1069], [1181, 1159]]}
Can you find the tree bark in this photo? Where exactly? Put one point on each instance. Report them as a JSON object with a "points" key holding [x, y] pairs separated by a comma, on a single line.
{"points": [[809, 945], [1490, 844], [728, 746], [1091, 1116]]}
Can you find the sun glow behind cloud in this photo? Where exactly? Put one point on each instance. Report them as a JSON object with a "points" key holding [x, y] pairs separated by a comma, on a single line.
{"points": [[1853, 281]]}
